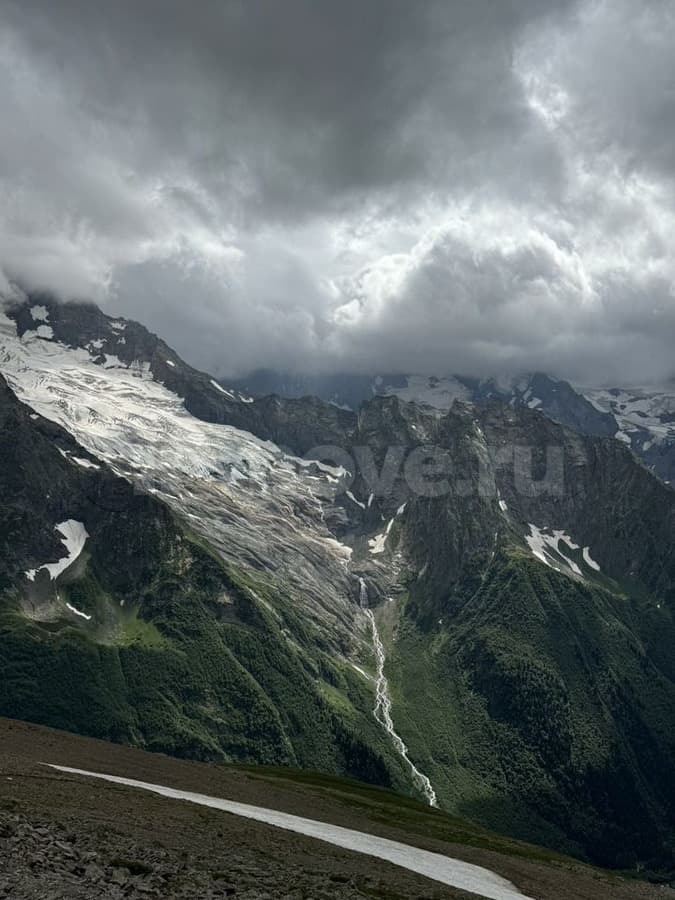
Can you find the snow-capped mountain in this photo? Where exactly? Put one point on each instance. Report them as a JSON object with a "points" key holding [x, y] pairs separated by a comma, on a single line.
{"points": [[643, 418], [177, 575], [116, 401], [646, 422]]}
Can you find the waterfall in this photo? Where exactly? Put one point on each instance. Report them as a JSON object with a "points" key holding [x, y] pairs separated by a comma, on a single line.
{"points": [[382, 710]]}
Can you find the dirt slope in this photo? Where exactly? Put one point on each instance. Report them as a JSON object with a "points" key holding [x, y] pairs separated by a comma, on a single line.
{"points": [[63, 836]]}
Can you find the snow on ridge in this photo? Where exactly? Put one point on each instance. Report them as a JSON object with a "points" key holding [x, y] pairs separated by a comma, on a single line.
{"points": [[636, 410], [78, 460], [74, 536], [222, 390], [84, 463], [439, 393]]}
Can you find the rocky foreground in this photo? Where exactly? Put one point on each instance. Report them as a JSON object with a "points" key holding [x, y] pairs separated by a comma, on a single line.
{"points": [[62, 836]]}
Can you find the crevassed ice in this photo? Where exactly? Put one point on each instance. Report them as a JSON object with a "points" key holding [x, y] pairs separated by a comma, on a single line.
{"points": [[259, 507]]}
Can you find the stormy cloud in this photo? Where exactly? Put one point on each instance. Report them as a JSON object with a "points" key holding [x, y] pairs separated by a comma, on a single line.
{"points": [[436, 187]]}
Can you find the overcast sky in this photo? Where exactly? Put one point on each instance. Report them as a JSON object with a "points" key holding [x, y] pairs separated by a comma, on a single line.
{"points": [[473, 186]]}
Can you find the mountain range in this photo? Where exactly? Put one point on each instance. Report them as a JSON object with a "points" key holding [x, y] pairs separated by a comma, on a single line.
{"points": [[464, 590], [642, 417]]}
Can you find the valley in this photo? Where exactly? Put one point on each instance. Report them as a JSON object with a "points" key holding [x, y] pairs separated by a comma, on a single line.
{"points": [[498, 648]]}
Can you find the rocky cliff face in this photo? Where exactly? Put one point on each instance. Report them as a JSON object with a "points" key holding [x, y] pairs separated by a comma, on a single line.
{"points": [[531, 656], [476, 602], [642, 418]]}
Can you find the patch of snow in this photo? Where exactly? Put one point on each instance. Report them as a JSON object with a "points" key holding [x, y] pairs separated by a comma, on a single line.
{"points": [[45, 332], [344, 406], [439, 393], [222, 390], [171, 363], [77, 612], [39, 313], [97, 344], [378, 543], [34, 416], [361, 671], [503, 505], [74, 536], [646, 411], [547, 548], [354, 500], [332, 473], [118, 325], [371, 497], [588, 559], [111, 361], [245, 399], [84, 463], [442, 869]]}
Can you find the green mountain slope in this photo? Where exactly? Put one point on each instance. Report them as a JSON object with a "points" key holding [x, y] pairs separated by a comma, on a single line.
{"points": [[525, 609], [181, 654], [539, 698]]}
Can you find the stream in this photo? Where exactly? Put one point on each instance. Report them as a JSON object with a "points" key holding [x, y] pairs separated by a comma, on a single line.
{"points": [[382, 709]]}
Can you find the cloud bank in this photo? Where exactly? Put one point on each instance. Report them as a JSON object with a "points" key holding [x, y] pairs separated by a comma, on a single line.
{"points": [[437, 187]]}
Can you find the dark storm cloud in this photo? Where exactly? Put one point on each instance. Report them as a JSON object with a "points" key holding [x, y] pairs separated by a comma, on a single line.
{"points": [[434, 185], [283, 107]]}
